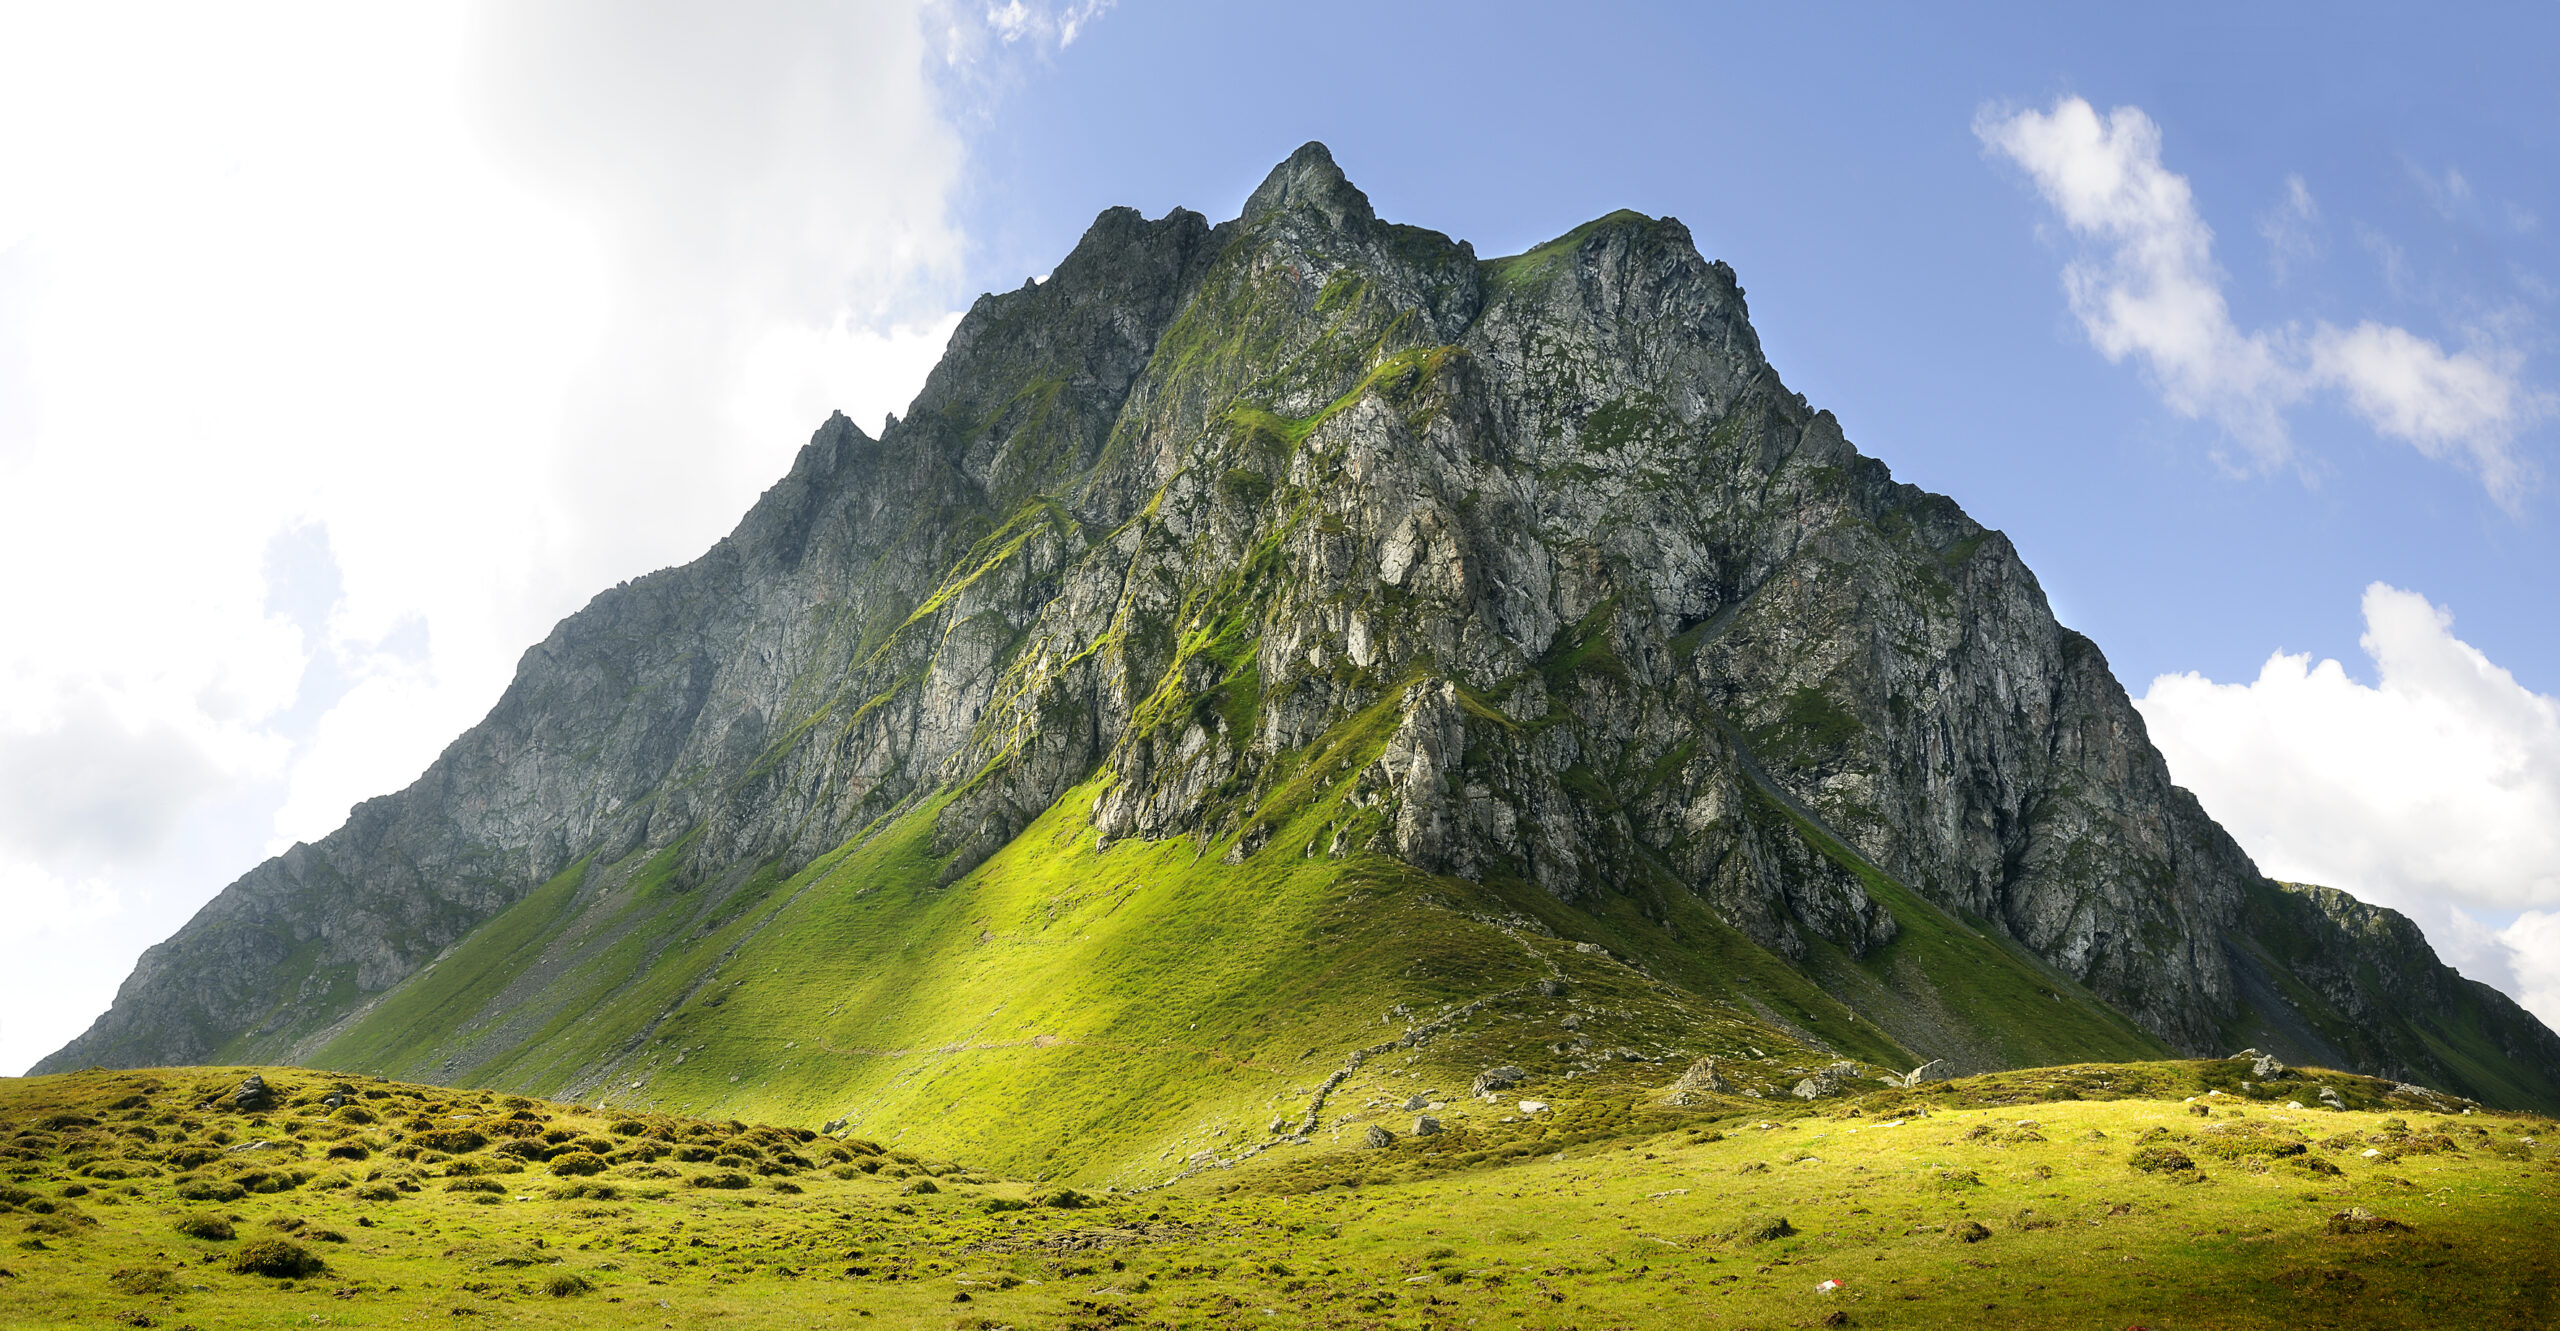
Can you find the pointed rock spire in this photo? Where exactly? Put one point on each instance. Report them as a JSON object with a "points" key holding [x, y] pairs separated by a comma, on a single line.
{"points": [[1309, 179]]}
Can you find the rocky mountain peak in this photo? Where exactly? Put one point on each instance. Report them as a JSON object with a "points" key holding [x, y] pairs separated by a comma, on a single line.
{"points": [[1310, 549], [1309, 179]]}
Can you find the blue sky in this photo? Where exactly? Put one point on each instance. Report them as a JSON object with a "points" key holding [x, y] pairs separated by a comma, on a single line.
{"points": [[343, 350]]}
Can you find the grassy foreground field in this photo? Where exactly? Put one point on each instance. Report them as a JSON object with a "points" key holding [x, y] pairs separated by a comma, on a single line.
{"points": [[2087, 1196]]}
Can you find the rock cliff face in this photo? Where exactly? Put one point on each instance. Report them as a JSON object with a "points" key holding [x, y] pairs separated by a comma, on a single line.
{"points": [[1635, 622]]}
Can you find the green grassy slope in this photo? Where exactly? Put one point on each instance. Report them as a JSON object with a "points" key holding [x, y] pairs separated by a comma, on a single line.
{"points": [[1107, 1013], [2154, 1194], [2431, 1014]]}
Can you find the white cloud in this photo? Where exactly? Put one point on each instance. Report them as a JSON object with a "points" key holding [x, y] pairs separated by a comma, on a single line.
{"points": [[2152, 289], [2434, 790], [2147, 286], [2533, 943], [2466, 403], [498, 304], [1014, 21]]}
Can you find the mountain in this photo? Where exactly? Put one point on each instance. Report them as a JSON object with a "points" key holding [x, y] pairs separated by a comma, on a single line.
{"points": [[1270, 646]]}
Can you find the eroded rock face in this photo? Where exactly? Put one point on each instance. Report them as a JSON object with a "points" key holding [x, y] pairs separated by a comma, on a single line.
{"points": [[1213, 502]]}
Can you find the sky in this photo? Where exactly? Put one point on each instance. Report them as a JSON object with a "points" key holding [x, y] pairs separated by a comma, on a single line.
{"points": [[343, 349]]}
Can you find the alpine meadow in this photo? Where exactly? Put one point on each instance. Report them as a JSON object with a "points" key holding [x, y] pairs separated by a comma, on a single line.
{"points": [[1313, 778]]}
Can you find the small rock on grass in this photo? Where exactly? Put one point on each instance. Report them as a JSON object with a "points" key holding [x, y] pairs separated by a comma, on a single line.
{"points": [[2357, 1220]]}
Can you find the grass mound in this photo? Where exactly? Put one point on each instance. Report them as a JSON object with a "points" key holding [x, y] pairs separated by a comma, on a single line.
{"points": [[279, 1259]]}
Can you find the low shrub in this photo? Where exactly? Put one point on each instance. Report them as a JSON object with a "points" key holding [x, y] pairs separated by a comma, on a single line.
{"points": [[276, 1258], [211, 1227], [577, 1164], [1762, 1229], [2160, 1160], [146, 1282]]}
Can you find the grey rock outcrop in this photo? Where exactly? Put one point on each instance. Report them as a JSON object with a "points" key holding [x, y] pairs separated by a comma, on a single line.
{"points": [[1827, 1081], [1697, 1083], [1637, 619]]}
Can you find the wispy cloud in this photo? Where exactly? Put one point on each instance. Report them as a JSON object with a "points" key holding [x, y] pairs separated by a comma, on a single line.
{"points": [[1015, 21], [2291, 229], [2462, 405], [2146, 286]]}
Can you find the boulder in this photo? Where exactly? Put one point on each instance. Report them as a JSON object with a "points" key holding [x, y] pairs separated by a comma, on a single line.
{"points": [[1699, 1082], [2266, 1066], [1378, 1138], [1494, 1080], [1426, 1126], [2357, 1220], [1935, 1069], [253, 1096], [1826, 1082]]}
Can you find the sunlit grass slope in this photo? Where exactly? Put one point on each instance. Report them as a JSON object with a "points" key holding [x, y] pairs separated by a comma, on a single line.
{"points": [[1102, 1013], [2161, 1194]]}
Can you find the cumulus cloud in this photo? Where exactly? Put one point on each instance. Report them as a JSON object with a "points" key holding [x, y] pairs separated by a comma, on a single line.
{"points": [[2434, 790], [343, 349], [2146, 286]]}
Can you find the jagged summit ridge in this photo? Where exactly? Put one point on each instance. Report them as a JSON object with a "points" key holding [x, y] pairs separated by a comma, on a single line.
{"points": [[1577, 596]]}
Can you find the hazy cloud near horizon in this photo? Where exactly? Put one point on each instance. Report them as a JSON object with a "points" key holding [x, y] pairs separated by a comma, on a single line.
{"points": [[2434, 790], [498, 305]]}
